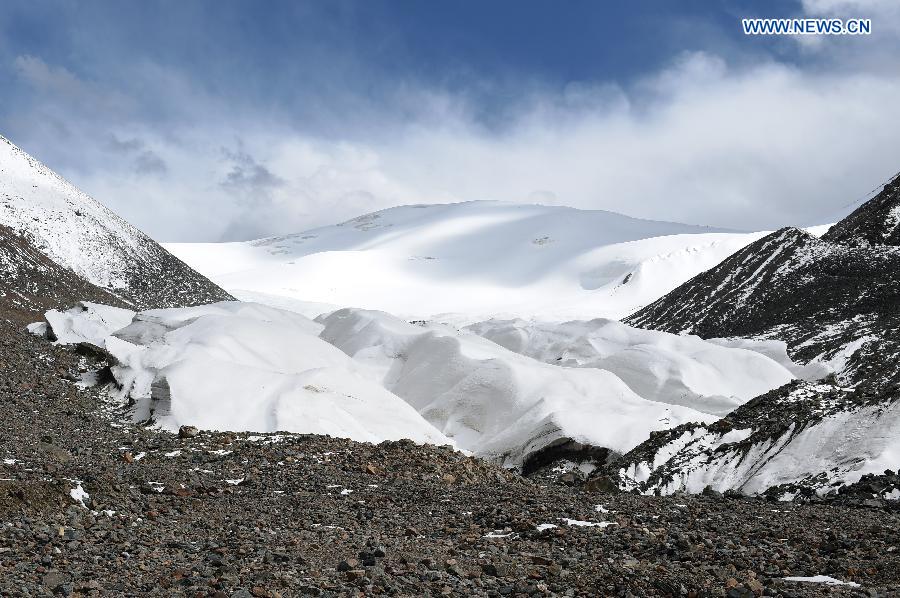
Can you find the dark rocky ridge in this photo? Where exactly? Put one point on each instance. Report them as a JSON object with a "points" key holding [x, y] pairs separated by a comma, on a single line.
{"points": [[816, 295], [166, 281], [833, 299], [876, 222]]}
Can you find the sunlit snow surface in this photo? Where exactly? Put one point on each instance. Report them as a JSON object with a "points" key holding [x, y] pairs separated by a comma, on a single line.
{"points": [[470, 261], [370, 376]]}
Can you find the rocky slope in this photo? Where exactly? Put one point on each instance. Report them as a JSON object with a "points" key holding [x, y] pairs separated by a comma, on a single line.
{"points": [[827, 300], [876, 222], [93, 506], [31, 283], [81, 235], [835, 301]]}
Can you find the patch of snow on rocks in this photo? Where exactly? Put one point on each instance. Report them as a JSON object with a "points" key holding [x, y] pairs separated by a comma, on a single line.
{"points": [[823, 579]]}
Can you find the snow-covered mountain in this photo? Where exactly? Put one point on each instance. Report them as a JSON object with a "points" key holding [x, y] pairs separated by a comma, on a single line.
{"points": [[835, 302], [369, 375], [801, 329], [78, 233], [469, 261]]}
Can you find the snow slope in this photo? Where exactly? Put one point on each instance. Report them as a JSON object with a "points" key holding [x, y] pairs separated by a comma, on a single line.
{"points": [[474, 260], [680, 370], [508, 406], [370, 376], [834, 449], [78, 233], [241, 366]]}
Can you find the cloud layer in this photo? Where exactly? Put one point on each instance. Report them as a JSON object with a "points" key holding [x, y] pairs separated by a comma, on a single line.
{"points": [[748, 144]]}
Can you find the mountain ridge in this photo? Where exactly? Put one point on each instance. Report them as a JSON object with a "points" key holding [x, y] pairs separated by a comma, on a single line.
{"points": [[835, 301], [876, 222], [80, 234]]}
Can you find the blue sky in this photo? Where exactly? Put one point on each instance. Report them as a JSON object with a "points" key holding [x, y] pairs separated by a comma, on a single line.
{"points": [[232, 120]]}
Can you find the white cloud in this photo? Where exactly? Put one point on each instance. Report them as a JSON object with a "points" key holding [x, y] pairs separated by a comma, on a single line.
{"points": [[65, 86], [851, 8], [700, 141], [55, 79], [870, 50]]}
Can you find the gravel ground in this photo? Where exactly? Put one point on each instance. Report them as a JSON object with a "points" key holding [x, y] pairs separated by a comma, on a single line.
{"points": [[290, 515]]}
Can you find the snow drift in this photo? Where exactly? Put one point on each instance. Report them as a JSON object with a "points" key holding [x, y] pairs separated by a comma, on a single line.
{"points": [[241, 366], [508, 406], [370, 376], [681, 370], [86, 323]]}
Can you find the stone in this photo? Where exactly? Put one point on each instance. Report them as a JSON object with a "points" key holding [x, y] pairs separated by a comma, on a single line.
{"points": [[55, 579], [188, 431], [490, 569], [603, 484], [348, 564]]}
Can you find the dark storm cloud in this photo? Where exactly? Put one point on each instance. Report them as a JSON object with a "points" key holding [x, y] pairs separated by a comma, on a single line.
{"points": [[247, 177], [126, 146], [147, 162]]}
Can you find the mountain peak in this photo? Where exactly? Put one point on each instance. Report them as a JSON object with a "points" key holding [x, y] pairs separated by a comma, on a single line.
{"points": [[876, 222]]}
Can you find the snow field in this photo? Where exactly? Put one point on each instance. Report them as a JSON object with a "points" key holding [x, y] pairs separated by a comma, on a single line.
{"points": [[370, 376]]}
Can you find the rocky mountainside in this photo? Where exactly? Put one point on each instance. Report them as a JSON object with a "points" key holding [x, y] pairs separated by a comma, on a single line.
{"points": [[835, 301], [79, 234], [829, 301], [876, 222], [31, 283]]}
